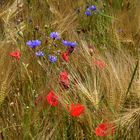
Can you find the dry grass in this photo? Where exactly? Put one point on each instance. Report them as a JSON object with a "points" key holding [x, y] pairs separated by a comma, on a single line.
{"points": [[103, 92]]}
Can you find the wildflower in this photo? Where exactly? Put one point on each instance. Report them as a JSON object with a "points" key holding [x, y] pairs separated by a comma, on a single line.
{"points": [[69, 44], [39, 54], [70, 50], [33, 43], [65, 56], [54, 35], [65, 43], [104, 129], [52, 99], [76, 110], [92, 8], [88, 13], [72, 44], [15, 54], [52, 58], [100, 64], [64, 80]]}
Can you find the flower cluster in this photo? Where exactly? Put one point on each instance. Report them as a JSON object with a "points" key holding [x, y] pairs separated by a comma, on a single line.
{"points": [[33, 43], [69, 43], [52, 58], [54, 35], [75, 110], [89, 10]]}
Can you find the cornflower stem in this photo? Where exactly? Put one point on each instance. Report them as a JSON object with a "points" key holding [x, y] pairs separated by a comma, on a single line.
{"points": [[132, 78], [104, 15], [90, 21]]}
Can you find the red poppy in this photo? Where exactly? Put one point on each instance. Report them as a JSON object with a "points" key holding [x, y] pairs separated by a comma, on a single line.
{"points": [[64, 80], [52, 99], [100, 64], [15, 54], [104, 129], [65, 56], [76, 110]]}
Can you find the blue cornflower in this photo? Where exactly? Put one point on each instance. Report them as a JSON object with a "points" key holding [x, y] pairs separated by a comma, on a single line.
{"points": [[88, 13], [39, 54], [69, 44], [54, 35], [33, 43], [52, 58], [72, 44], [92, 8], [65, 43]]}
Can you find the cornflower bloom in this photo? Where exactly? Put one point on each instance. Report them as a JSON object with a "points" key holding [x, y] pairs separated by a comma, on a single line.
{"points": [[54, 35], [52, 58], [39, 54], [33, 43]]}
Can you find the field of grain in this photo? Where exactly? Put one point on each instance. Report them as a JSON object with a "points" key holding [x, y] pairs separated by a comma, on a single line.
{"points": [[69, 70]]}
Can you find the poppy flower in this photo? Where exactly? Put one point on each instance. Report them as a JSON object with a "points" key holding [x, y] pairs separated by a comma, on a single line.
{"points": [[15, 54], [100, 64], [65, 56], [64, 80], [52, 99], [104, 129], [76, 110]]}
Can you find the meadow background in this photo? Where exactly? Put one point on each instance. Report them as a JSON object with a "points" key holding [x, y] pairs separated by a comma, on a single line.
{"points": [[108, 90]]}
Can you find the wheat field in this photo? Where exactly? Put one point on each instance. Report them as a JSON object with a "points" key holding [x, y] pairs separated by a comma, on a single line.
{"points": [[69, 70]]}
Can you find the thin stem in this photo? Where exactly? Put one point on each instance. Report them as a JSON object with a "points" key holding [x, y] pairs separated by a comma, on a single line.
{"points": [[134, 73]]}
